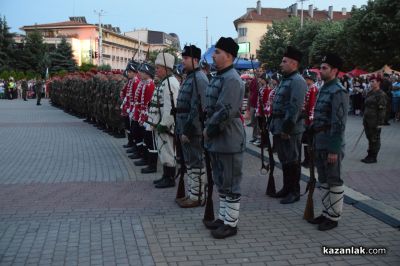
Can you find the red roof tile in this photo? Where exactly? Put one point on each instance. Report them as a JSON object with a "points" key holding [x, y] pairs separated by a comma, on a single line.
{"points": [[59, 24], [273, 14]]}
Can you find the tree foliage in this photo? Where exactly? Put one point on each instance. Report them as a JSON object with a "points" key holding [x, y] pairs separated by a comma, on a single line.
{"points": [[6, 45], [278, 36], [369, 39], [373, 33], [62, 58]]}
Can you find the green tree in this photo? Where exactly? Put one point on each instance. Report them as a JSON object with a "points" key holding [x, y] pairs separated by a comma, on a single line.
{"points": [[104, 67], [273, 44], [62, 58], [373, 34], [304, 37], [6, 45], [326, 40], [87, 67], [34, 52]]}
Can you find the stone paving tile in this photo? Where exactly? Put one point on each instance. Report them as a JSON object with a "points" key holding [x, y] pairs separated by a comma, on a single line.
{"points": [[56, 211]]}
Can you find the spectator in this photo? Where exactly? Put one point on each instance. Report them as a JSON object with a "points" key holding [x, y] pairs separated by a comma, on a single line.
{"points": [[396, 99]]}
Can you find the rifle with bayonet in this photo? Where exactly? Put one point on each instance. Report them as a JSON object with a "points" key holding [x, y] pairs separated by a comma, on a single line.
{"points": [[271, 190], [180, 193], [309, 210], [209, 209]]}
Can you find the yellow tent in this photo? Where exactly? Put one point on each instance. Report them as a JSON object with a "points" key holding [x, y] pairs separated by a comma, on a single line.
{"points": [[384, 70]]}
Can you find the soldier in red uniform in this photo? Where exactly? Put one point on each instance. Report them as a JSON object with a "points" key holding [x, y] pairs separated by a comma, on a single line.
{"points": [[308, 110], [143, 95], [134, 74], [126, 97], [263, 96]]}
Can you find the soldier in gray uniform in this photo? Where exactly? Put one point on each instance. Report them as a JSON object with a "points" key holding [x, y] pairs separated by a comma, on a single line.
{"points": [[330, 115], [374, 118], [287, 124], [225, 137], [188, 127]]}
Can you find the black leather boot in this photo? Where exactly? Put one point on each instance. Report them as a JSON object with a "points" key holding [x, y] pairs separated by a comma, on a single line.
{"points": [[163, 176], [130, 142], [285, 189], [294, 184], [144, 160], [371, 158], [152, 164], [169, 180]]}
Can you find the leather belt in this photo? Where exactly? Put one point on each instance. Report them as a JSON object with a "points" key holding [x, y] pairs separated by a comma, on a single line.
{"points": [[182, 110]]}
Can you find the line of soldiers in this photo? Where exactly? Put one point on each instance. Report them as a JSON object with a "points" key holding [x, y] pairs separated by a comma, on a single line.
{"points": [[205, 116], [91, 95]]}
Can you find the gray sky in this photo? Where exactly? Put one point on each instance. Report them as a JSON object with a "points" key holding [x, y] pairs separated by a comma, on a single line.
{"points": [[183, 17]]}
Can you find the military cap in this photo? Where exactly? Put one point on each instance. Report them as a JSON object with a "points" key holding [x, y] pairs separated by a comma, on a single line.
{"points": [[276, 76], [333, 60], [178, 70], [293, 53], [228, 45], [376, 77], [165, 59], [307, 74], [133, 66], [204, 64], [148, 69], [191, 51]]}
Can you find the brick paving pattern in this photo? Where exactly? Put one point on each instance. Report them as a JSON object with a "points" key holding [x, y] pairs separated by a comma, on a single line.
{"points": [[70, 196]]}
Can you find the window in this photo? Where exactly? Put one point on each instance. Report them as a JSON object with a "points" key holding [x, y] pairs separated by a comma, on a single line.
{"points": [[242, 32]]}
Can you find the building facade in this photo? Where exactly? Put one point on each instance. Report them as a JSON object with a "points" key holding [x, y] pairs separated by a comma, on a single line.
{"points": [[252, 26], [157, 40], [117, 48]]}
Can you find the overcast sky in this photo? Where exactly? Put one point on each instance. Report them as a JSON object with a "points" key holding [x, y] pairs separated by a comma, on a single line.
{"points": [[183, 17]]}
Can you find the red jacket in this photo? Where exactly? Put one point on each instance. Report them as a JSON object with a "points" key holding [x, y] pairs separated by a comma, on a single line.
{"points": [[271, 97], [253, 89], [309, 104], [131, 89], [146, 95], [264, 93]]}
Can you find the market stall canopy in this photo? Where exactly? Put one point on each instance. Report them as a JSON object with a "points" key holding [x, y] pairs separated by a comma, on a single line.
{"points": [[357, 72], [239, 63], [384, 70]]}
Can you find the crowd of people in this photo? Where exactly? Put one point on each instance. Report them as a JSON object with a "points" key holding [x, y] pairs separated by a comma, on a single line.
{"points": [[360, 91], [23, 89]]}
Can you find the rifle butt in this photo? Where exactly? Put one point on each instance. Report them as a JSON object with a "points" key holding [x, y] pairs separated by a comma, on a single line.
{"points": [[271, 190], [180, 192], [209, 209], [309, 210]]}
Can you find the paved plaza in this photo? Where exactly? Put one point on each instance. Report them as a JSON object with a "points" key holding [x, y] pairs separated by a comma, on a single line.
{"points": [[69, 195]]}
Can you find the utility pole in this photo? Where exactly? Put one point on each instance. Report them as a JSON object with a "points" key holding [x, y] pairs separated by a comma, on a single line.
{"points": [[301, 23], [100, 13], [206, 33]]}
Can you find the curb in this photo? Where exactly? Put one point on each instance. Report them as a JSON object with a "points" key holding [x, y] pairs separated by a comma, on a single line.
{"points": [[377, 209]]}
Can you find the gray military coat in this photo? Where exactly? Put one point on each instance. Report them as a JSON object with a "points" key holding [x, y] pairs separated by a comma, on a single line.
{"points": [[330, 115], [224, 97], [288, 104], [187, 113]]}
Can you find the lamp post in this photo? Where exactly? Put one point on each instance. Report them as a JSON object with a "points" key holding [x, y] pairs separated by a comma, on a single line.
{"points": [[100, 13]]}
